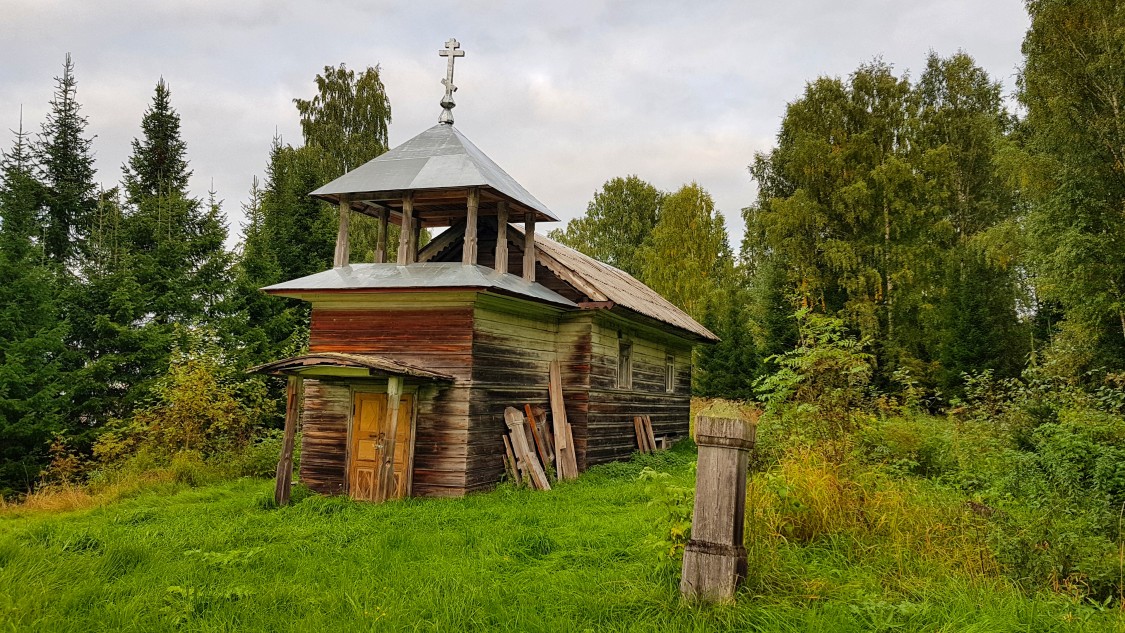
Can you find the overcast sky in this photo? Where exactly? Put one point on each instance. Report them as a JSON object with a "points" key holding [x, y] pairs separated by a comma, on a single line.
{"points": [[562, 95]]}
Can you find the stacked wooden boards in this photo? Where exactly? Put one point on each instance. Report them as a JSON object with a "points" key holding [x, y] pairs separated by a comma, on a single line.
{"points": [[646, 441], [533, 449]]}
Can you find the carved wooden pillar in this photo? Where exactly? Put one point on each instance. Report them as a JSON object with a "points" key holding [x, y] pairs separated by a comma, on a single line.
{"points": [[406, 230], [341, 256], [715, 557], [295, 392], [501, 263], [381, 238], [529, 246], [469, 252]]}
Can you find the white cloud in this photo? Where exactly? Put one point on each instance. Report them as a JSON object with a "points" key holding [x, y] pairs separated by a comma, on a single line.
{"points": [[563, 95]]}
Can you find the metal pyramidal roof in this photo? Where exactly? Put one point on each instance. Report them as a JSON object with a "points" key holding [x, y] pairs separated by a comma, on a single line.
{"points": [[439, 158]]}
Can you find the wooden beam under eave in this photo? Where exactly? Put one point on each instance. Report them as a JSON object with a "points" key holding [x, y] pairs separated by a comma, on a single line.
{"points": [[502, 236], [529, 247], [341, 256], [469, 253], [381, 237], [406, 229]]}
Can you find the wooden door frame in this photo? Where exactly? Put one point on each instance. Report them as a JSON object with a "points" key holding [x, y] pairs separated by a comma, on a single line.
{"points": [[376, 388]]}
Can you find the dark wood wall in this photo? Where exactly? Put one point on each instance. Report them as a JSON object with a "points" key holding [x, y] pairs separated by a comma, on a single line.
{"points": [[612, 407], [431, 330], [324, 436]]}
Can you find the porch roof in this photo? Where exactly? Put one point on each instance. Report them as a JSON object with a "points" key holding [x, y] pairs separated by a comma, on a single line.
{"points": [[346, 366]]}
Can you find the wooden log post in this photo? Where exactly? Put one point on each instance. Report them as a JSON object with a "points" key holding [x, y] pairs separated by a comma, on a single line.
{"points": [[501, 264], [381, 238], [386, 484], [294, 394], [341, 257], [406, 230], [469, 252], [529, 246], [715, 557]]}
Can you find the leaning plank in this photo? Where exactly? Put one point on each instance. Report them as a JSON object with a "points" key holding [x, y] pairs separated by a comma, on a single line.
{"points": [[567, 463], [649, 436], [514, 419], [387, 487], [546, 433], [540, 448], [510, 461], [294, 396], [638, 431]]}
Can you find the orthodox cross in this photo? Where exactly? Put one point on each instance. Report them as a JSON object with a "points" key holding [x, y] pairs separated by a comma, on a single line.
{"points": [[452, 52]]}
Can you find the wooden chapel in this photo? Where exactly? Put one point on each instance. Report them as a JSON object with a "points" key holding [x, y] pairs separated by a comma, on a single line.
{"points": [[412, 363]]}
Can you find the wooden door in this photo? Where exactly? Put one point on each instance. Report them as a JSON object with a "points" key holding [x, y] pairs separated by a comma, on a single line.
{"points": [[370, 426]]}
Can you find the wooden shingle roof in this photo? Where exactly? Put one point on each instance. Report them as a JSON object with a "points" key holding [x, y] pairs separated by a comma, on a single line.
{"points": [[602, 282]]}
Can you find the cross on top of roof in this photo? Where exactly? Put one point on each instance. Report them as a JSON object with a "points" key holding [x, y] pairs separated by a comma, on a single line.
{"points": [[451, 52]]}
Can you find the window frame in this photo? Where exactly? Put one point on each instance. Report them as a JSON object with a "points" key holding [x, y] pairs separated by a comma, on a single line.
{"points": [[624, 364]]}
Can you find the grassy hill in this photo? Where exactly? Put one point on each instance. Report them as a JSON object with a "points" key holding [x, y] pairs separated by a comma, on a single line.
{"points": [[588, 556]]}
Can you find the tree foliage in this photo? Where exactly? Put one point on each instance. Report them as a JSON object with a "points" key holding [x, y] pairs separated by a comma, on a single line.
{"points": [[1073, 88], [618, 223], [66, 163], [688, 258]]}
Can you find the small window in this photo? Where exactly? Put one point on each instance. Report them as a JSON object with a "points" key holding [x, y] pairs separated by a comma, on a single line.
{"points": [[624, 365], [670, 373]]}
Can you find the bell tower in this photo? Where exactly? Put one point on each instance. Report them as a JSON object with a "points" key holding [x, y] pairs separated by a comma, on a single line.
{"points": [[437, 179]]}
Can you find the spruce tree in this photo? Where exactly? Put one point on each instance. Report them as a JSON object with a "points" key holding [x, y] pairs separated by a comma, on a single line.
{"points": [[66, 162], [33, 397]]}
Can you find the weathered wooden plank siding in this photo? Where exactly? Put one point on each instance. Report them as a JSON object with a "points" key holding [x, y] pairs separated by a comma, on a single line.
{"points": [[324, 436], [512, 351], [611, 408], [438, 338]]}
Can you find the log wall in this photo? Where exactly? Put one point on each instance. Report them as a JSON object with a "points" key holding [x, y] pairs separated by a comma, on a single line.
{"points": [[324, 436], [431, 330], [610, 434]]}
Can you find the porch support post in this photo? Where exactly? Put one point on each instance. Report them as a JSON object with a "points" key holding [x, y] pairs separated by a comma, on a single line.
{"points": [[501, 263], [529, 246], [386, 484], [715, 557], [406, 230], [294, 397], [469, 252], [341, 256], [381, 238]]}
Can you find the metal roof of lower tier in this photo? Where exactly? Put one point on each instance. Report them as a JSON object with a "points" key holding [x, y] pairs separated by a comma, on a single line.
{"points": [[358, 277]]}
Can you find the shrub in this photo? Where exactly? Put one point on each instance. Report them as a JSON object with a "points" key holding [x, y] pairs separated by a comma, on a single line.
{"points": [[821, 383]]}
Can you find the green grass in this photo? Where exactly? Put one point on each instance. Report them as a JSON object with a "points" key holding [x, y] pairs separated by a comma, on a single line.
{"points": [[590, 555]]}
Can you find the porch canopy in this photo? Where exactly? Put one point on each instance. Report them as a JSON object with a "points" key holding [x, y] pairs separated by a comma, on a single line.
{"points": [[339, 365]]}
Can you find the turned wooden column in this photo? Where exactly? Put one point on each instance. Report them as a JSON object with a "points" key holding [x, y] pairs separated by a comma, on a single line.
{"points": [[341, 256], [715, 557], [469, 252], [381, 238], [501, 263], [529, 246], [406, 230]]}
